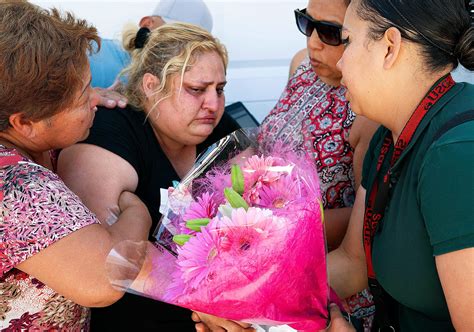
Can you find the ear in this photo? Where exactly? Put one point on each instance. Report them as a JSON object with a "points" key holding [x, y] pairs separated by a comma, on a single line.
{"points": [[24, 127], [146, 22], [150, 84], [393, 40]]}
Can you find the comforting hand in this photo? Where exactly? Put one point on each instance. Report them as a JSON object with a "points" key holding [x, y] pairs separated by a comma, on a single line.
{"points": [[209, 323], [338, 322], [110, 98]]}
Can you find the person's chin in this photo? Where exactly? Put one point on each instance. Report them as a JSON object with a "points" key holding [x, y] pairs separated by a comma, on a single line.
{"points": [[347, 95], [84, 135], [321, 71], [355, 108], [205, 129]]}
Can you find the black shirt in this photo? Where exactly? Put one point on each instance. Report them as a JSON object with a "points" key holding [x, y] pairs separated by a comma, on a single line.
{"points": [[127, 133]]}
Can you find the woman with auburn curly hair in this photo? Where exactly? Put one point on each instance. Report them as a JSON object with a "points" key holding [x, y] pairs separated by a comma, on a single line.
{"points": [[52, 248]]}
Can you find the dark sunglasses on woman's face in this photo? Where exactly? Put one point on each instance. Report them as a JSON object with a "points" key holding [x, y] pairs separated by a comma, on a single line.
{"points": [[329, 33]]}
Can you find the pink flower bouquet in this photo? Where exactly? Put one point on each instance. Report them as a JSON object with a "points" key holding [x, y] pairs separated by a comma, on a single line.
{"points": [[248, 241]]}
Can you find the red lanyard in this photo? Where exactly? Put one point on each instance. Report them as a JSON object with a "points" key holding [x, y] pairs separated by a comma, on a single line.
{"points": [[378, 197]]}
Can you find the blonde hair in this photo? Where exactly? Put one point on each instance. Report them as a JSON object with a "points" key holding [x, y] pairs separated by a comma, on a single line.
{"points": [[169, 50]]}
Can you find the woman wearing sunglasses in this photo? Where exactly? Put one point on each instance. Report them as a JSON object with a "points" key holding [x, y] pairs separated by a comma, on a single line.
{"points": [[314, 116], [414, 207]]}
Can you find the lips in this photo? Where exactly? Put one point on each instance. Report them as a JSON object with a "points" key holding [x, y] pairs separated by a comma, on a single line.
{"points": [[207, 119], [315, 63]]}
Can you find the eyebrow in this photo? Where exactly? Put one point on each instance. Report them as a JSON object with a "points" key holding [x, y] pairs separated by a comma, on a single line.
{"points": [[208, 82]]}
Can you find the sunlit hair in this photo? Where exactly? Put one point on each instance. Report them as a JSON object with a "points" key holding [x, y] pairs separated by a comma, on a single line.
{"points": [[444, 30], [170, 50], [42, 60]]}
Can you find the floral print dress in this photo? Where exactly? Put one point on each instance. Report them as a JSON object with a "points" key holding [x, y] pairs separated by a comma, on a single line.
{"points": [[36, 210], [315, 118]]}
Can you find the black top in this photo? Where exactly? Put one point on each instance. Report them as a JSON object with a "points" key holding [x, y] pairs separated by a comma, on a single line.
{"points": [[128, 134]]}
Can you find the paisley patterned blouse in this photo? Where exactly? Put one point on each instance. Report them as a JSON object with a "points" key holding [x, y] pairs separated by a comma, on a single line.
{"points": [[315, 117], [36, 210]]}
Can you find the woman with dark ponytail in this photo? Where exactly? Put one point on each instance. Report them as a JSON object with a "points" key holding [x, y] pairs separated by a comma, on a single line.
{"points": [[414, 208]]}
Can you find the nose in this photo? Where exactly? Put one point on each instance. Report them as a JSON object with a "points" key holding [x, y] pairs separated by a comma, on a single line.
{"points": [[213, 101], [94, 99], [314, 42]]}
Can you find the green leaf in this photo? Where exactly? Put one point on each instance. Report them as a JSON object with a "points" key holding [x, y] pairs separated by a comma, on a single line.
{"points": [[196, 224], [181, 239], [237, 178], [234, 199]]}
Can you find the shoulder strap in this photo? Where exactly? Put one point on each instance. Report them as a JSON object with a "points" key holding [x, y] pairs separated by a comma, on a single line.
{"points": [[458, 119]]}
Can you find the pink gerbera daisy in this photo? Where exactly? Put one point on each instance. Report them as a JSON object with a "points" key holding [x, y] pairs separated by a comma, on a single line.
{"points": [[205, 207], [257, 168], [196, 256], [246, 229], [279, 194], [259, 172]]}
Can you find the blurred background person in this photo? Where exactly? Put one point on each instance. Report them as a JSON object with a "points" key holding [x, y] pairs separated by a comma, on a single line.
{"points": [[175, 89], [112, 58], [52, 247]]}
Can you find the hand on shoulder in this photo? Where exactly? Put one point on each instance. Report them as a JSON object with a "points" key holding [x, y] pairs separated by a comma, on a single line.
{"points": [[110, 98]]}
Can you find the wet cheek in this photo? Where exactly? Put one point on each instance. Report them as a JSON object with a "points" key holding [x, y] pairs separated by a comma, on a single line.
{"points": [[222, 101], [219, 115]]}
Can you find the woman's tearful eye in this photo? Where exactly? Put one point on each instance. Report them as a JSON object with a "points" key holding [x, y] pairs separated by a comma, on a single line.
{"points": [[196, 90]]}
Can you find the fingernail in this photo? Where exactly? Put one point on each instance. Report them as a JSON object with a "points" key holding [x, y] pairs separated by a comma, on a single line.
{"points": [[110, 102], [121, 103]]}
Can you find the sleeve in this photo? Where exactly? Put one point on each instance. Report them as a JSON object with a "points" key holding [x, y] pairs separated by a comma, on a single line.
{"points": [[37, 210], [116, 131], [446, 184]]}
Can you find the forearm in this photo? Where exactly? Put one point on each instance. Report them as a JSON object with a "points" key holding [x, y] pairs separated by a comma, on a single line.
{"points": [[335, 222], [346, 265], [132, 224], [347, 275], [84, 278]]}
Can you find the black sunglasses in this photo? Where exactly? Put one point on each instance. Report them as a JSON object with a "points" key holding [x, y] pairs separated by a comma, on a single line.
{"points": [[329, 33]]}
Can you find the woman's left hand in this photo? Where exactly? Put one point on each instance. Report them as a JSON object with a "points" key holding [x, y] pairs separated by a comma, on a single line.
{"points": [[110, 98]]}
